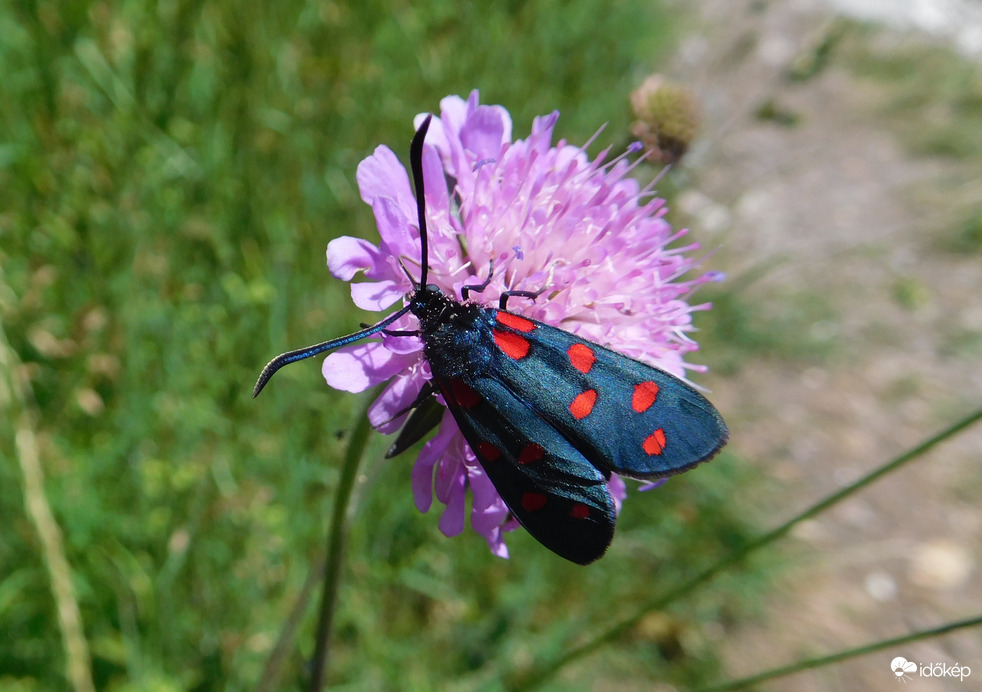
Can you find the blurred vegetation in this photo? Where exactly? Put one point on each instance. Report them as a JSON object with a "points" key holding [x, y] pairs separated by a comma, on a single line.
{"points": [[171, 174], [932, 99]]}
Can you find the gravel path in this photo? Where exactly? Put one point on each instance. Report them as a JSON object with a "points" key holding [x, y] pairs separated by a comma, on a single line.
{"points": [[831, 206]]}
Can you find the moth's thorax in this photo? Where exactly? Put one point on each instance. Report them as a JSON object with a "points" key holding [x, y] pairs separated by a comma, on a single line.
{"points": [[451, 331], [436, 310]]}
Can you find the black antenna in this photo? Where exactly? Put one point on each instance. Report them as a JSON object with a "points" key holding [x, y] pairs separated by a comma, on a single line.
{"points": [[416, 164]]}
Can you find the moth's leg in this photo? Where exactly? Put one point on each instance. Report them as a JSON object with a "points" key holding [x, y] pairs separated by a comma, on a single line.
{"points": [[464, 290], [397, 332], [503, 301]]}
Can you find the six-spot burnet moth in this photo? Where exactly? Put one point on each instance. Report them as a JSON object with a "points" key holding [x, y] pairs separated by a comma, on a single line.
{"points": [[549, 415]]}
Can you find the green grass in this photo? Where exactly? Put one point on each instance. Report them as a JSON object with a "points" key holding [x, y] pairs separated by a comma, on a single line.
{"points": [[171, 175]]}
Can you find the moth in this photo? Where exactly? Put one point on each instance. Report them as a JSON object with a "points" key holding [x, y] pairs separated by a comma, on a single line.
{"points": [[549, 415]]}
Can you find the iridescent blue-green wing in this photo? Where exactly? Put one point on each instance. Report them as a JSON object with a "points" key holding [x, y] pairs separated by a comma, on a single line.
{"points": [[554, 492], [622, 415]]}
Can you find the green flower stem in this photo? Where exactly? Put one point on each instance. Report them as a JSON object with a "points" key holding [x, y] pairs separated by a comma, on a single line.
{"points": [[273, 670], [843, 655], [534, 678], [337, 536]]}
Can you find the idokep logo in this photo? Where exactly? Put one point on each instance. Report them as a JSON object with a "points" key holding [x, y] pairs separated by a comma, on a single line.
{"points": [[901, 667], [904, 669]]}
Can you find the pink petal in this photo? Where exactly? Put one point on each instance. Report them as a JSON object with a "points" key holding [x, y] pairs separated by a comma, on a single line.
{"points": [[422, 482], [394, 226], [618, 490], [496, 543], [356, 368], [377, 295], [488, 510], [541, 136], [387, 413], [432, 452], [382, 175], [453, 114], [346, 256], [403, 344], [452, 520], [453, 465], [435, 187], [484, 132]]}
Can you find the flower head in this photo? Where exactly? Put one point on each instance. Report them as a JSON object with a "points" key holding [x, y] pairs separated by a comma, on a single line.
{"points": [[667, 118], [548, 217]]}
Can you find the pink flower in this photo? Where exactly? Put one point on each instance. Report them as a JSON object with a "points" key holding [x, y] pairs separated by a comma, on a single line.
{"points": [[549, 217]]}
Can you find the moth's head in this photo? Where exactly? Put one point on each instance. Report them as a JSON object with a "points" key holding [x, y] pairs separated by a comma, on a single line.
{"points": [[424, 296]]}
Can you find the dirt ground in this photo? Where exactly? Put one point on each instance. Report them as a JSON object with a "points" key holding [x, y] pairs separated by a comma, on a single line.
{"points": [[831, 204]]}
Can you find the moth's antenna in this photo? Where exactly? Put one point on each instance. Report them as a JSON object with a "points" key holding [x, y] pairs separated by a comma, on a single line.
{"points": [[301, 353], [416, 163]]}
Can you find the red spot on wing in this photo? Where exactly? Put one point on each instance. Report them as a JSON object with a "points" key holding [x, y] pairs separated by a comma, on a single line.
{"points": [[644, 396], [530, 453], [514, 345], [579, 511], [463, 394], [533, 501], [515, 322], [582, 357], [654, 444], [582, 405], [488, 451]]}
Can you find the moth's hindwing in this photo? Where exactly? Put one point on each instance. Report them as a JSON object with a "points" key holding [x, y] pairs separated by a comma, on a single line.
{"points": [[554, 492], [622, 415]]}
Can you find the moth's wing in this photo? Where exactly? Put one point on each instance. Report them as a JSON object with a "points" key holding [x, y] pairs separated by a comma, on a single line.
{"points": [[554, 492], [624, 416]]}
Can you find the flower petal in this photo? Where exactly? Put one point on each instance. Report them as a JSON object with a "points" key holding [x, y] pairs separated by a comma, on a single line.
{"points": [[356, 368], [403, 344], [432, 452], [436, 193], [422, 482], [618, 490], [394, 226], [483, 133], [382, 175], [452, 520], [448, 470], [496, 542], [488, 510], [387, 413], [346, 256], [376, 295]]}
